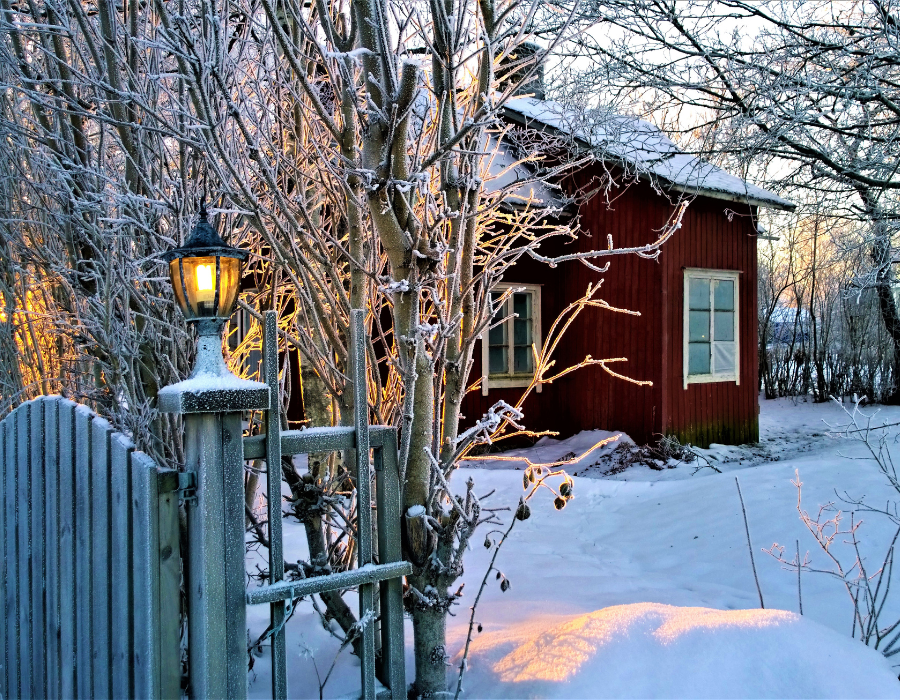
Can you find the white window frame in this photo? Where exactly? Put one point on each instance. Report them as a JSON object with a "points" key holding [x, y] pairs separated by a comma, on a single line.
{"points": [[691, 273], [497, 381]]}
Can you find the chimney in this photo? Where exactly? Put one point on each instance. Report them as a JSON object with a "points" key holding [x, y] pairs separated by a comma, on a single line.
{"points": [[521, 61]]}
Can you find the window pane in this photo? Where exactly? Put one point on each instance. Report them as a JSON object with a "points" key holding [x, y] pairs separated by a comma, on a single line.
{"points": [[723, 354], [724, 325], [523, 360], [724, 294], [522, 332], [698, 326], [699, 294], [497, 363], [497, 334], [522, 304], [698, 358]]}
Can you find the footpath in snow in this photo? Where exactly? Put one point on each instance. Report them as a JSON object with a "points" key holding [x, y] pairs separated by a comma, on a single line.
{"points": [[642, 586]]}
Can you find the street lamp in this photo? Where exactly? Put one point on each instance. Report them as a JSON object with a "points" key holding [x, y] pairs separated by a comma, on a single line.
{"points": [[206, 277]]}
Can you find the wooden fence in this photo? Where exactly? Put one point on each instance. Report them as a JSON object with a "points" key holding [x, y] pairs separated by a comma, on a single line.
{"points": [[90, 564]]}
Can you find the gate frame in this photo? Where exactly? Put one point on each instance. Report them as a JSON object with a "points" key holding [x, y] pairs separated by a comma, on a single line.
{"points": [[389, 570]]}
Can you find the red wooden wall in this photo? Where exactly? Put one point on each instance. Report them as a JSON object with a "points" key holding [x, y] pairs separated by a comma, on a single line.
{"points": [[590, 398]]}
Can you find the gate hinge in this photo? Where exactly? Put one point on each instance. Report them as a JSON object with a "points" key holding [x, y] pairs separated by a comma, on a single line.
{"points": [[187, 486]]}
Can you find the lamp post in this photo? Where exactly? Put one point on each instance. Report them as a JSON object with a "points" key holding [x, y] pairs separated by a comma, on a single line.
{"points": [[206, 276]]}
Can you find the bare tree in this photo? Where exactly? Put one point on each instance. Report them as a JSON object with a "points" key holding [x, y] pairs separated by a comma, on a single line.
{"points": [[351, 147]]}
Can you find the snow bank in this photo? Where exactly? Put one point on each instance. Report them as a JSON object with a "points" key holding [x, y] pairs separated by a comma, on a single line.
{"points": [[649, 650]]}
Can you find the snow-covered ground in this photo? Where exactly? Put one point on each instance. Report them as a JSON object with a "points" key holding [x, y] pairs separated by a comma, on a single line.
{"points": [[642, 586]]}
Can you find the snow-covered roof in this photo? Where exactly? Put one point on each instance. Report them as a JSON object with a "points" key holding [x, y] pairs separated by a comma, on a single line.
{"points": [[505, 170], [642, 145]]}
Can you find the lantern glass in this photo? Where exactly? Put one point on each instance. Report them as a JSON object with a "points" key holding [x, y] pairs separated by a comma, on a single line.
{"points": [[206, 286]]}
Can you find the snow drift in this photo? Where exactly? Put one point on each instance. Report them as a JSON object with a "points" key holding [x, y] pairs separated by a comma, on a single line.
{"points": [[650, 650]]}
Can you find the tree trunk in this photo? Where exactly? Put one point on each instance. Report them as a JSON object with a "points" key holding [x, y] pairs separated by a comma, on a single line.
{"points": [[429, 628], [881, 256]]}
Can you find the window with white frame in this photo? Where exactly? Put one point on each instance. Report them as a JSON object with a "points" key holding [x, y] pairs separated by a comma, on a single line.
{"points": [[711, 349], [507, 357]]}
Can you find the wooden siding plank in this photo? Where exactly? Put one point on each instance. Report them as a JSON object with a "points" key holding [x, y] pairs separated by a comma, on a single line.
{"points": [[83, 557], [38, 568], [121, 594], [23, 496], [67, 490], [51, 500]]}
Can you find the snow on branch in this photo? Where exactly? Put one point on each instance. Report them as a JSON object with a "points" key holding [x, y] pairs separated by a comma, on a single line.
{"points": [[650, 251], [483, 430]]}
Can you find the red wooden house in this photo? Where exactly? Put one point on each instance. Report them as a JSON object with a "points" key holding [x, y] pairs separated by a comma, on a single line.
{"points": [[696, 336]]}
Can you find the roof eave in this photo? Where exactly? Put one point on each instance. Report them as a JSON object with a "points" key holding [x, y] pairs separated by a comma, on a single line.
{"points": [[730, 197]]}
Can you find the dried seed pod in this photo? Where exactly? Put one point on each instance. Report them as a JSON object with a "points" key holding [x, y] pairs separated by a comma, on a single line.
{"points": [[480, 627], [565, 489], [559, 503], [523, 512], [504, 585], [487, 543], [525, 481]]}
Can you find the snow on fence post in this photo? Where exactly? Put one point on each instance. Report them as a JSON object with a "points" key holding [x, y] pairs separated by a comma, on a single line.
{"points": [[70, 495]]}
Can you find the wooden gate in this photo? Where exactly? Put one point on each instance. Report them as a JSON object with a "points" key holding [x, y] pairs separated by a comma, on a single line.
{"points": [[378, 577], [89, 563]]}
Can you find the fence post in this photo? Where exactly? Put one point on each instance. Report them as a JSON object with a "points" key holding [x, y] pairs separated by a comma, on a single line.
{"points": [[217, 620]]}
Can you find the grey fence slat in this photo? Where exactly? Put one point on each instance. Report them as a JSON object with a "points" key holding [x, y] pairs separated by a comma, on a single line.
{"points": [[120, 560], [364, 496], [23, 445], [273, 481], [51, 543], [389, 550], [144, 492], [294, 442], [4, 587], [38, 599], [77, 506], [101, 631], [169, 601], [12, 557], [83, 558], [235, 567], [67, 490], [328, 582]]}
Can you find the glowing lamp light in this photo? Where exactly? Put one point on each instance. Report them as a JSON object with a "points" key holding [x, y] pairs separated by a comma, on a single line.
{"points": [[206, 274]]}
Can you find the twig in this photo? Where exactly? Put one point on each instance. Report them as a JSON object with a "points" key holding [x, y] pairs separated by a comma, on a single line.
{"points": [[799, 590], [463, 663], [750, 544]]}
